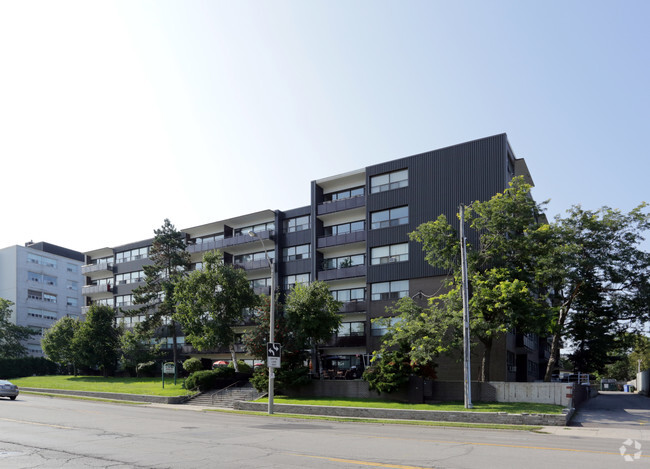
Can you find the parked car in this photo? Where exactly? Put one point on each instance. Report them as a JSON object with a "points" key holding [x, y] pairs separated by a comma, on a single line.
{"points": [[8, 390]]}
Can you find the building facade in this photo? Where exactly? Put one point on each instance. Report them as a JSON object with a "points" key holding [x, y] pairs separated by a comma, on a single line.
{"points": [[44, 282], [354, 236]]}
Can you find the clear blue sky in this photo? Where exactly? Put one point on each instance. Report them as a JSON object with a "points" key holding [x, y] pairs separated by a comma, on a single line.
{"points": [[116, 115]]}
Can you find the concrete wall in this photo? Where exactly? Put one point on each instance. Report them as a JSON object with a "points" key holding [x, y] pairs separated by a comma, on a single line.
{"points": [[643, 382]]}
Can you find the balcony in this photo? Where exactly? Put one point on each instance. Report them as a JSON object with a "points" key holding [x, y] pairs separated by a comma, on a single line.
{"points": [[347, 341], [337, 240], [99, 268], [527, 342], [344, 204], [359, 306], [253, 265], [262, 291], [225, 243], [90, 290], [188, 348], [346, 272]]}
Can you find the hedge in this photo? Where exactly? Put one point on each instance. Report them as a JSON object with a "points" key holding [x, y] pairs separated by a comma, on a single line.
{"points": [[27, 366]]}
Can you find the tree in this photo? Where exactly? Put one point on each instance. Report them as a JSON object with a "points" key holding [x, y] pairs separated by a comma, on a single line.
{"points": [[170, 262], [211, 301], [503, 262], [600, 282], [136, 349], [12, 335], [312, 316], [98, 339], [59, 343]]}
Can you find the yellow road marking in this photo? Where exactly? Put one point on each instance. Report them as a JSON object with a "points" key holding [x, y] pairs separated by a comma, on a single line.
{"points": [[360, 463], [37, 423]]}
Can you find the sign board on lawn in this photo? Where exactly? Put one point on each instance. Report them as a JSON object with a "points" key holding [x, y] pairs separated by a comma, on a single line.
{"points": [[273, 350], [168, 368]]}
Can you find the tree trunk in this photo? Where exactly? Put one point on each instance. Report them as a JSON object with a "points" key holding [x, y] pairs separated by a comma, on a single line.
{"points": [[557, 334], [233, 354], [484, 374]]}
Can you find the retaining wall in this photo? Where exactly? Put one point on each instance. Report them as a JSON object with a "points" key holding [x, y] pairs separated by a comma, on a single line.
{"points": [[401, 414], [115, 396]]}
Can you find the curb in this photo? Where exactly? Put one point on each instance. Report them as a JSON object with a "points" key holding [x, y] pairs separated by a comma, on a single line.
{"points": [[114, 396]]}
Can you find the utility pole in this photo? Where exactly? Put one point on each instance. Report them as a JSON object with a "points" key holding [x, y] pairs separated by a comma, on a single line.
{"points": [[467, 375]]}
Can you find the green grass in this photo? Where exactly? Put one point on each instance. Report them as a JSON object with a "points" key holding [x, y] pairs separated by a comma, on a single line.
{"points": [[509, 407], [146, 386]]}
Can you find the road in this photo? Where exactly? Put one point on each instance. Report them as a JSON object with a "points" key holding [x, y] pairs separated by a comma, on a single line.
{"points": [[43, 432]]}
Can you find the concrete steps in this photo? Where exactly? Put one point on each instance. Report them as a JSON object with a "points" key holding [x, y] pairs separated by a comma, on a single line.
{"points": [[225, 398]]}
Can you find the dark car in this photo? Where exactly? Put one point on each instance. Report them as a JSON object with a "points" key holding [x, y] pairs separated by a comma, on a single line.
{"points": [[8, 390]]}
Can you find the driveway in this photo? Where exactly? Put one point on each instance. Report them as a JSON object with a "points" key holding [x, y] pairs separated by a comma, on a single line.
{"points": [[615, 410]]}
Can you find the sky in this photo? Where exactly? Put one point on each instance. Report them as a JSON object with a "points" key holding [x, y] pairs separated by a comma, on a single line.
{"points": [[115, 115]]}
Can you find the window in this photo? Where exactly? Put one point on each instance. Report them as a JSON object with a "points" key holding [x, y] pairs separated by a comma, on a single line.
{"points": [[72, 301], [270, 226], [49, 297], [351, 294], [352, 329], [123, 300], [132, 255], [344, 228], [102, 260], [34, 295], [260, 282], [256, 256], [391, 253], [389, 290], [392, 217], [72, 268], [297, 224], [129, 277], [208, 239], [41, 314], [380, 326], [389, 181], [346, 194], [291, 280], [40, 260], [72, 285], [296, 253], [344, 262], [104, 302]]}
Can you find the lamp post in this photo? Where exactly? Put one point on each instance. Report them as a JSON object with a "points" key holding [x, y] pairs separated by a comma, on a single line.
{"points": [[467, 371], [252, 234]]}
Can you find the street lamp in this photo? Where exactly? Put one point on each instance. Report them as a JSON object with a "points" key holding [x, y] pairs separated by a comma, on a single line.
{"points": [[252, 234]]}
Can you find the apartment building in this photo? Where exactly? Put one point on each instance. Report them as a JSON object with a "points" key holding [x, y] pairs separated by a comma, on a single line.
{"points": [[44, 282], [354, 236]]}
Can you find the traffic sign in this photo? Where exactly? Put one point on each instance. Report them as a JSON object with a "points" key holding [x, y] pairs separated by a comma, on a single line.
{"points": [[273, 350]]}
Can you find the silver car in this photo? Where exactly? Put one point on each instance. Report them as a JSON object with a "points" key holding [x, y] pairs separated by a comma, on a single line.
{"points": [[8, 390]]}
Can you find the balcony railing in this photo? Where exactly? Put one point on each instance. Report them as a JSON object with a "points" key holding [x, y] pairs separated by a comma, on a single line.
{"points": [[343, 204], [96, 289], [347, 341], [103, 267], [236, 240], [346, 238], [358, 306], [346, 272]]}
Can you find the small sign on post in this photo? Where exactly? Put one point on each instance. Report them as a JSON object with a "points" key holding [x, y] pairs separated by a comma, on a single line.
{"points": [[168, 368], [273, 350]]}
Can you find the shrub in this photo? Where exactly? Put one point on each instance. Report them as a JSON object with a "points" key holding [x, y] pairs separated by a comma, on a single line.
{"points": [[27, 366], [192, 365], [242, 365]]}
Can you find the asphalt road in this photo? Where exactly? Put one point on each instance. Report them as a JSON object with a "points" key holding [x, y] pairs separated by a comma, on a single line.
{"points": [[42, 432]]}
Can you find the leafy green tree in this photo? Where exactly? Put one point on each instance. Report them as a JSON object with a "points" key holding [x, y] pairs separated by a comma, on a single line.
{"points": [[98, 339], [312, 316], [600, 282], [390, 372], [59, 343], [12, 335], [503, 260], [211, 301], [135, 349], [170, 263]]}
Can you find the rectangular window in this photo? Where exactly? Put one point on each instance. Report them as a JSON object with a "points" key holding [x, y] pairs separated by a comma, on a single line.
{"points": [[291, 280], [49, 297], [34, 295], [392, 217], [344, 228], [259, 228], [352, 329], [296, 253], [72, 285], [132, 255], [344, 262], [345, 194], [72, 301], [260, 283], [389, 290], [41, 260], [391, 253], [297, 224], [352, 294], [389, 181], [380, 326], [123, 300], [72, 268], [49, 280]]}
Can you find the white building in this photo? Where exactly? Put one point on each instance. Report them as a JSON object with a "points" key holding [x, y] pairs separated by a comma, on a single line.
{"points": [[44, 282]]}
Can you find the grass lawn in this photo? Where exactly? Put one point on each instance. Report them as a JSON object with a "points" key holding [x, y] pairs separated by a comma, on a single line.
{"points": [[146, 386], [510, 407]]}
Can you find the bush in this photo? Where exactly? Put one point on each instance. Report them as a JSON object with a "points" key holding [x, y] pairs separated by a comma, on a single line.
{"points": [[146, 369], [27, 366], [205, 380], [192, 365], [242, 365]]}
